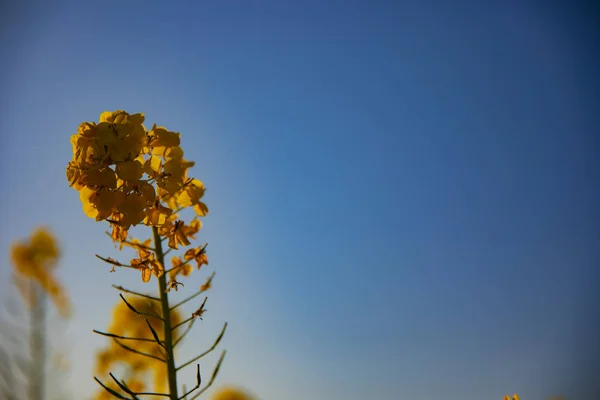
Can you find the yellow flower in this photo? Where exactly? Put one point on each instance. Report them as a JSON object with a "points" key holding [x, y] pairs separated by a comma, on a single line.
{"points": [[86, 150], [201, 209], [199, 312], [166, 228], [208, 284], [74, 175], [133, 209], [198, 254], [142, 160], [44, 244], [131, 170], [179, 268], [103, 202], [191, 193], [127, 175], [119, 233], [147, 263], [121, 134], [99, 177], [153, 166], [161, 138], [109, 116], [106, 135], [157, 215], [171, 179], [174, 153], [147, 191], [177, 236], [193, 228], [34, 261]]}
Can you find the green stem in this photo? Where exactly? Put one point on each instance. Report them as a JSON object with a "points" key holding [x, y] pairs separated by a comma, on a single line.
{"points": [[166, 312]]}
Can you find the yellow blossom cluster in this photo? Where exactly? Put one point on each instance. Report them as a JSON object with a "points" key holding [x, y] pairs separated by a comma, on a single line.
{"points": [[34, 262], [140, 369], [127, 175]]}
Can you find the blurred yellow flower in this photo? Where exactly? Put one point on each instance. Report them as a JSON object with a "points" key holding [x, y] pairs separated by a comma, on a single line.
{"points": [[33, 261], [139, 368], [231, 393]]}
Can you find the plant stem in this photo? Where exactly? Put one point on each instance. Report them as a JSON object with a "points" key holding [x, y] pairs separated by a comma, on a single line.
{"points": [[166, 313], [38, 360]]}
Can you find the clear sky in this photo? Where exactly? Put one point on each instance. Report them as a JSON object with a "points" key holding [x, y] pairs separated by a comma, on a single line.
{"points": [[404, 195]]}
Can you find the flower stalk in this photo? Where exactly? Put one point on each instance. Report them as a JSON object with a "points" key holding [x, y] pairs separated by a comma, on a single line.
{"points": [[166, 314], [37, 344]]}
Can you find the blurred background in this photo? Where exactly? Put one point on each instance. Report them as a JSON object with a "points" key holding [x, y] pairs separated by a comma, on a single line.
{"points": [[403, 195]]}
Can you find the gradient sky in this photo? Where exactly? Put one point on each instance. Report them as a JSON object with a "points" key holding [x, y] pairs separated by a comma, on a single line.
{"points": [[403, 195]]}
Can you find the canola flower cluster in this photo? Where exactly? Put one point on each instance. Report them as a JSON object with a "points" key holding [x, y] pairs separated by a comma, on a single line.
{"points": [[34, 261], [141, 369], [128, 175]]}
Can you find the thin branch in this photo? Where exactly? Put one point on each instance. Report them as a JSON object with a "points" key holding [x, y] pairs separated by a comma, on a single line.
{"points": [[201, 310], [147, 296], [135, 394], [215, 344], [113, 262], [198, 382], [194, 295], [139, 312], [184, 333], [112, 335], [180, 209], [185, 261], [180, 265], [137, 351], [123, 387], [155, 335], [141, 246], [153, 394], [132, 244], [212, 378], [183, 322], [111, 391]]}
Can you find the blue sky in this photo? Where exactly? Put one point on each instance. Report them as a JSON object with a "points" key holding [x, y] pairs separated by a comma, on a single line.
{"points": [[403, 195]]}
